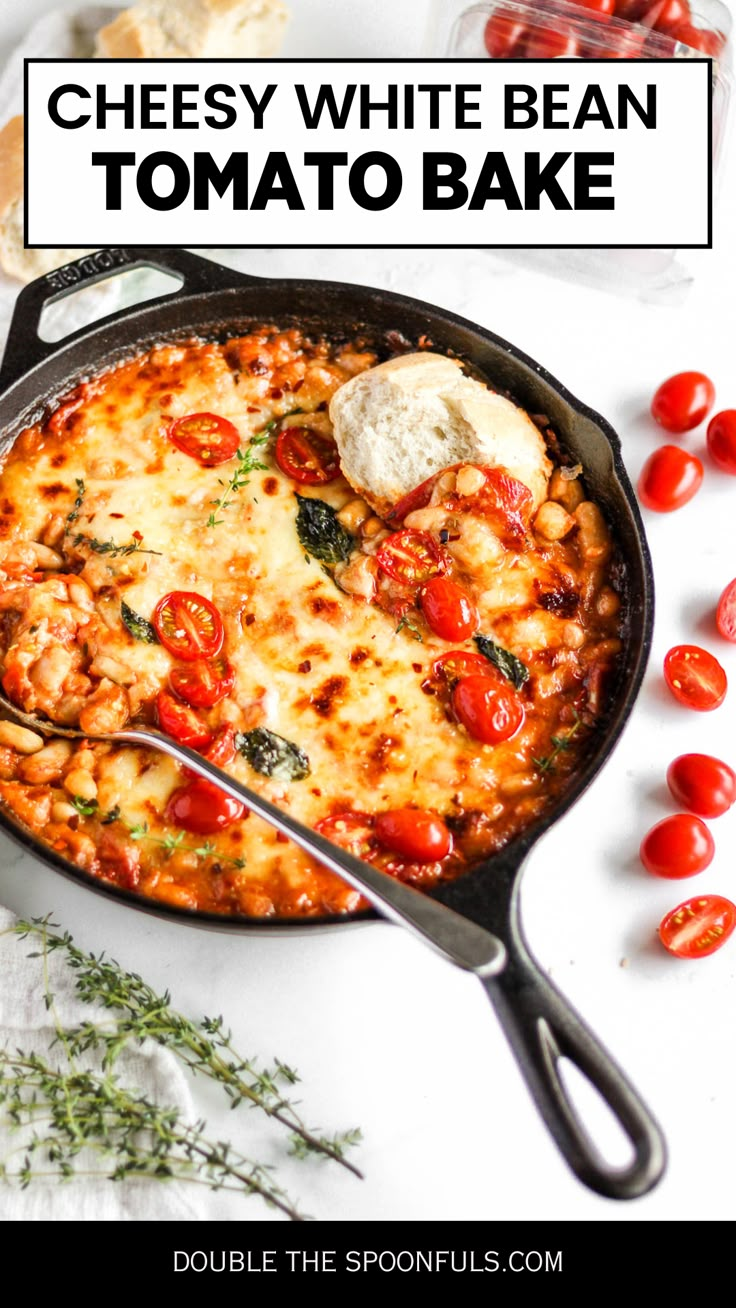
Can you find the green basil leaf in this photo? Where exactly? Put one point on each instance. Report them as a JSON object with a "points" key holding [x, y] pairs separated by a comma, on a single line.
{"points": [[320, 532], [507, 663], [272, 755], [140, 628]]}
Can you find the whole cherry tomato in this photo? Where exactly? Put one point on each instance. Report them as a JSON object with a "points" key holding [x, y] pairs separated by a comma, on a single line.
{"points": [[666, 14], [550, 43], [450, 613], [698, 927], [632, 10], [695, 677], [709, 43], [219, 750], [702, 784], [726, 612], [203, 808], [422, 837], [307, 456], [489, 712], [669, 479], [722, 440], [678, 846], [683, 401], [604, 9], [181, 722], [188, 625], [503, 34], [206, 437]]}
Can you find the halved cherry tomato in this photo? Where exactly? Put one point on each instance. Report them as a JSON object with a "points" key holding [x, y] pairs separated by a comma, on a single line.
{"points": [[504, 500], [206, 437], [726, 612], [550, 43], [678, 846], [461, 663], [698, 927], [450, 613], [669, 479], [414, 499], [181, 722], [683, 401], [351, 831], [414, 833], [411, 557], [203, 683], [490, 712], [307, 456], [188, 625], [702, 784], [722, 440], [666, 14], [709, 43], [695, 677], [202, 807], [503, 33]]}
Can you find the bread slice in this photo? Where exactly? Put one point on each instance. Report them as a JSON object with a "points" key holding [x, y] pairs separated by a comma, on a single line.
{"points": [[400, 422], [15, 259], [160, 29]]}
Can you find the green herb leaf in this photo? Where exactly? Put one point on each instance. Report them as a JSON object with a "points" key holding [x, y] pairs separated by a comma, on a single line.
{"points": [[109, 547], [81, 490], [407, 623], [140, 628], [507, 663], [272, 755], [84, 806], [111, 816], [320, 532]]}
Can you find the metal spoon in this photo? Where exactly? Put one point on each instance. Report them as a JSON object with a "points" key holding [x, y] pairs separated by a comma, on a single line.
{"points": [[460, 941]]}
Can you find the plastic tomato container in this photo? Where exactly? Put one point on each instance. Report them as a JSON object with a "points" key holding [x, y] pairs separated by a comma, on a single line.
{"points": [[548, 29], [636, 29]]}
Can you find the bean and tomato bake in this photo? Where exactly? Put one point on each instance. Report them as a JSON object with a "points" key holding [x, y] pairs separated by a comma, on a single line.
{"points": [[178, 546]]}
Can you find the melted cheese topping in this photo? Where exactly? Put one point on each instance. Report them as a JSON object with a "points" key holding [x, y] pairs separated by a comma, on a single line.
{"points": [[98, 506]]}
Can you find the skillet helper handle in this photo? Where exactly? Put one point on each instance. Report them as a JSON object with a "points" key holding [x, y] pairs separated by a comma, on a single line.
{"points": [[542, 1027], [25, 349]]}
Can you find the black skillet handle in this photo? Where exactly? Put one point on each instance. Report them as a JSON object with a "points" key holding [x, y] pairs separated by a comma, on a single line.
{"points": [[25, 348], [542, 1027]]}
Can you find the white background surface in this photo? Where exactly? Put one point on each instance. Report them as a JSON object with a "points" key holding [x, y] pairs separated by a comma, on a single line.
{"points": [[385, 1035]]}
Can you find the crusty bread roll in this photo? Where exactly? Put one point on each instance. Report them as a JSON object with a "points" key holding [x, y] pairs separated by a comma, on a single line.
{"points": [[181, 29], [15, 259], [401, 421]]}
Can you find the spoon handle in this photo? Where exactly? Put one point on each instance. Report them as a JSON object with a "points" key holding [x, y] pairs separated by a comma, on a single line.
{"points": [[462, 942]]}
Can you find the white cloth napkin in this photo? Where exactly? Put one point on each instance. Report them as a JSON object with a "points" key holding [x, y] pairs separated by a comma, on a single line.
{"points": [[25, 1024]]}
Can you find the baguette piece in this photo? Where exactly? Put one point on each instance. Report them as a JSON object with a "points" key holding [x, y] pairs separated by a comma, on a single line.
{"points": [[15, 259], [400, 422], [162, 29]]}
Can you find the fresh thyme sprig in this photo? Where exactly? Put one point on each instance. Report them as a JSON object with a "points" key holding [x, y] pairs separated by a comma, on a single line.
{"points": [[248, 462], [110, 548], [73, 1112], [410, 626], [205, 1047], [559, 744], [177, 840]]}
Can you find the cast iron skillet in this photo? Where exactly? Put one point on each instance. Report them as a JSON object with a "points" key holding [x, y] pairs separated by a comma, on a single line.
{"points": [[541, 1026]]}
